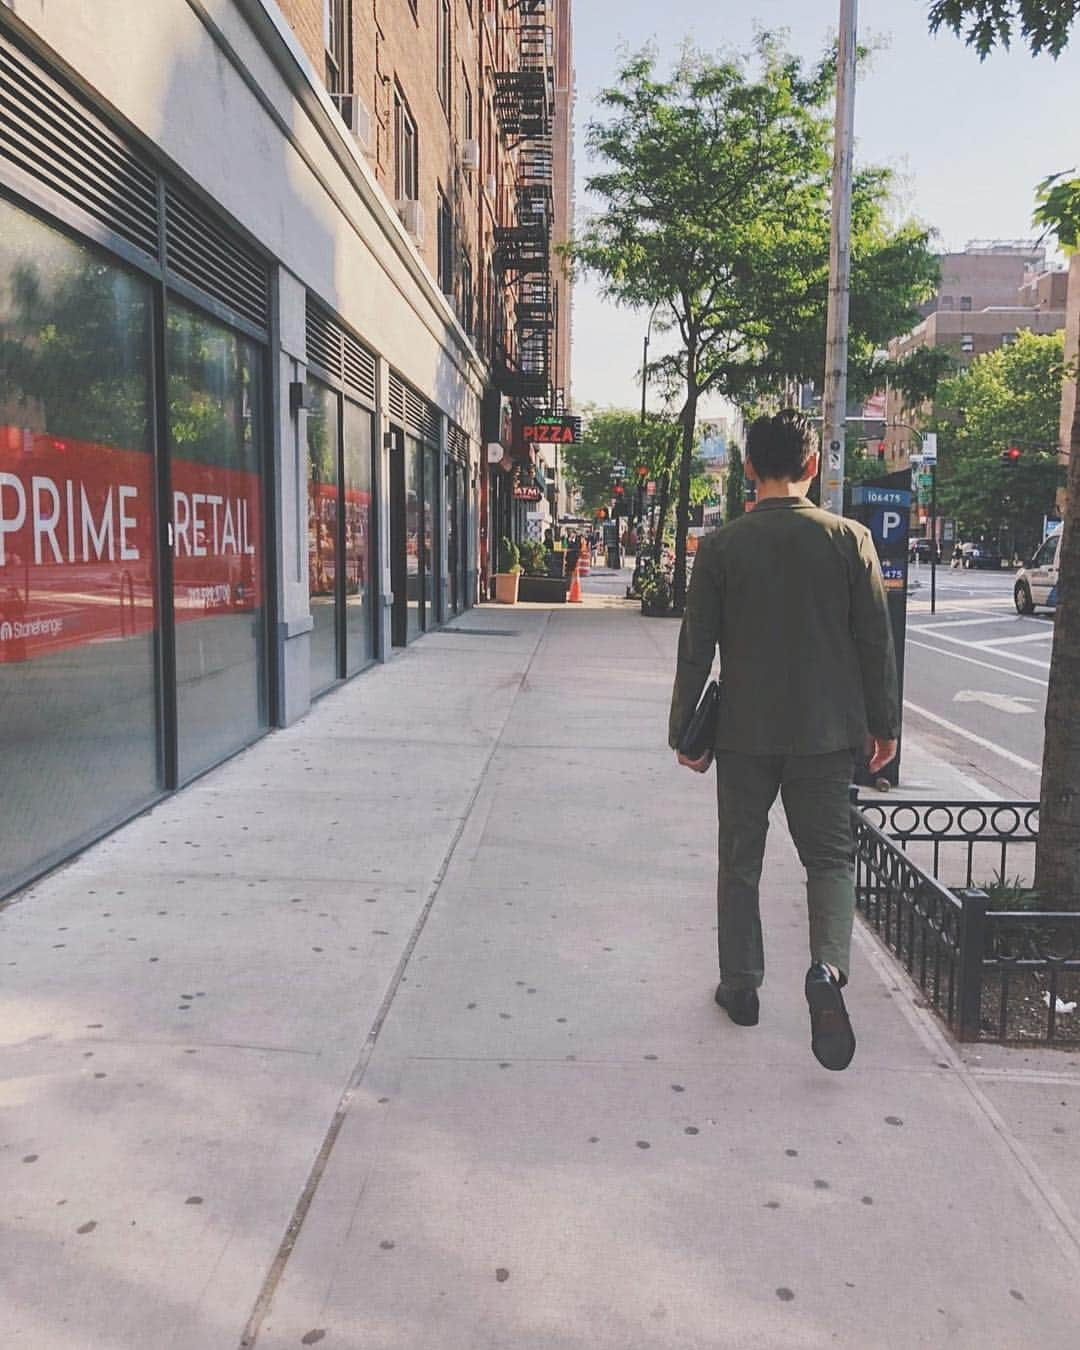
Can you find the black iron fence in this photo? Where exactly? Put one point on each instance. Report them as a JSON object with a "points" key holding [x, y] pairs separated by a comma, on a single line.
{"points": [[947, 887]]}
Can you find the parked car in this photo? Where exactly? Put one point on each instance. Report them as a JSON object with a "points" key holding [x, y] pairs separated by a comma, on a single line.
{"points": [[923, 550], [983, 554], [1037, 581]]}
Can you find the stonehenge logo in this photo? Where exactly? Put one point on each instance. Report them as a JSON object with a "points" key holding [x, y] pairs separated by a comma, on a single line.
{"points": [[6, 633]]}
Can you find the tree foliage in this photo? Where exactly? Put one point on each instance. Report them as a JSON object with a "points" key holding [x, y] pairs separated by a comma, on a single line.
{"points": [[1044, 25], [1011, 396], [715, 192], [615, 436]]}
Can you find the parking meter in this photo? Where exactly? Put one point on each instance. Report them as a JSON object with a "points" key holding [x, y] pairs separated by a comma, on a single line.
{"points": [[884, 506]]}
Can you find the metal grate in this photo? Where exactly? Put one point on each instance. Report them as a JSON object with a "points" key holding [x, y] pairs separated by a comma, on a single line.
{"points": [[208, 255], [421, 417], [359, 369], [337, 352], [323, 341], [397, 398], [50, 133]]}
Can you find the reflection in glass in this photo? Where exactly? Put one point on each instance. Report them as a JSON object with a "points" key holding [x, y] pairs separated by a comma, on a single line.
{"points": [[323, 434], [414, 492], [359, 539], [78, 619], [431, 537], [215, 429]]}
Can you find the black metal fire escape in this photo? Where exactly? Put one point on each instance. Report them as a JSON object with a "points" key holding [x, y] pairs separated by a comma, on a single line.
{"points": [[525, 108]]}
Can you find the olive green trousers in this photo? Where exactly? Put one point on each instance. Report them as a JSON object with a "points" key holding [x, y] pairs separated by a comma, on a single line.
{"points": [[814, 790]]}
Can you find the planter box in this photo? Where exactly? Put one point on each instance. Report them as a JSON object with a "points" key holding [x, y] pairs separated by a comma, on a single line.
{"points": [[506, 587], [543, 590]]}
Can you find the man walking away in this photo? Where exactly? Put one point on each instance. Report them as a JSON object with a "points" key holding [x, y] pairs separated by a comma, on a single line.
{"points": [[793, 597]]}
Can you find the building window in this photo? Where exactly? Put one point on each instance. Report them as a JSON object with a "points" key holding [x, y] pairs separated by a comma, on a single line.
{"points": [[467, 311], [335, 40], [445, 247], [406, 152], [967, 343], [444, 46], [965, 304], [945, 302], [468, 132], [1007, 339]]}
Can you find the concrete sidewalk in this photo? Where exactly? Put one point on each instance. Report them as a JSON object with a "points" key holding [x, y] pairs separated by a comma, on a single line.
{"points": [[397, 1033]]}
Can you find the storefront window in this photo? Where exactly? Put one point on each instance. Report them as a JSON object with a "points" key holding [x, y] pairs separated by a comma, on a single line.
{"points": [[431, 537], [215, 431], [78, 617], [359, 539], [414, 526], [323, 436]]}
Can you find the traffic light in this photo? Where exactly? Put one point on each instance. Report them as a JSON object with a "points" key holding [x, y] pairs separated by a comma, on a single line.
{"points": [[618, 489], [881, 449], [1011, 458]]}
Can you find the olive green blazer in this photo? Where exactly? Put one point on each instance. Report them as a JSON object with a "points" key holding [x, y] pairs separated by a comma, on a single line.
{"points": [[793, 597]]}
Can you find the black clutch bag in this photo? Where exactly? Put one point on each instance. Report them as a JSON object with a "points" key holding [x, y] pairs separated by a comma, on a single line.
{"points": [[699, 738]]}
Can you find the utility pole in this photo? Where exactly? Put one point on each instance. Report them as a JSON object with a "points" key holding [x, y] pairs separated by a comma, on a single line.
{"points": [[834, 394]]}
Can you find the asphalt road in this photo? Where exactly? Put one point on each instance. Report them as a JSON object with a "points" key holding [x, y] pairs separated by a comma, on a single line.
{"points": [[975, 678]]}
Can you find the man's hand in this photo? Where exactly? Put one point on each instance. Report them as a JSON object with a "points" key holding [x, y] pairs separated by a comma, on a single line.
{"points": [[879, 753], [698, 765]]}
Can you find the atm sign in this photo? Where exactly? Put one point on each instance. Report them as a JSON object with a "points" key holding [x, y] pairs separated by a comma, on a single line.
{"points": [[552, 431]]}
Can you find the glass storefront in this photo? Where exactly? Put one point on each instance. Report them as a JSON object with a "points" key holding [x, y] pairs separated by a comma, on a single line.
{"points": [[216, 437], [359, 538], [78, 618], [414, 527], [323, 439], [431, 537]]}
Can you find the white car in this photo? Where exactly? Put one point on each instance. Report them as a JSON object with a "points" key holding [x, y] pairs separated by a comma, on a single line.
{"points": [[1036, 583]]}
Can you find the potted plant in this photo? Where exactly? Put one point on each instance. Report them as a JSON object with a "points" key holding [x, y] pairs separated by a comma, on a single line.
{"points": [[656, 596], [537, 586], [509, 574]]}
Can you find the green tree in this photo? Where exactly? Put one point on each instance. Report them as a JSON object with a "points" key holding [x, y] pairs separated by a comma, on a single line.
{"points": [[1046, 26], [1011, 396], [715, 207], [985, 24], [613, 436]]}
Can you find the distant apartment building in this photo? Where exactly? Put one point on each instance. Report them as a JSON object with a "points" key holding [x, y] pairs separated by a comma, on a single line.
{"points": [[278, 298], [989, 293]]}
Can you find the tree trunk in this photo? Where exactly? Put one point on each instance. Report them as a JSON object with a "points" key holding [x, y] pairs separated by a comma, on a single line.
{"points": [[661, 517], [682, 517], [1057, 869], [665, 499]]}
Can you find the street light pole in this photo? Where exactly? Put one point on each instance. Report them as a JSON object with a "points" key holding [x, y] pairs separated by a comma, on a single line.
{"points": [[834, 393]]}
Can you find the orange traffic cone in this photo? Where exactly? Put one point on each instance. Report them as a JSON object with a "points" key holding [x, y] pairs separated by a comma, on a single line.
{"points": [[574, 598]]}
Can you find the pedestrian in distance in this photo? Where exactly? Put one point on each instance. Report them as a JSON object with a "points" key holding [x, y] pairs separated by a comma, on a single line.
{"points": [[793, 598]]}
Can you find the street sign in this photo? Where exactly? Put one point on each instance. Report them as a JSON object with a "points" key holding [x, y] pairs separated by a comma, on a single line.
{"points": [[929, 448]]}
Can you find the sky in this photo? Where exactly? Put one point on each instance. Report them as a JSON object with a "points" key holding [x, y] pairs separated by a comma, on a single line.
{"points": [[969, 140]]}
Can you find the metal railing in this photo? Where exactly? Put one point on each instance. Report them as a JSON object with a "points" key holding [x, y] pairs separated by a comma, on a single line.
{"points": [[992, 973]]}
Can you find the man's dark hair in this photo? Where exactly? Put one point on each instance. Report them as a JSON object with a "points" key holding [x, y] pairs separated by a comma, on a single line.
{"points": [[781, 446]]}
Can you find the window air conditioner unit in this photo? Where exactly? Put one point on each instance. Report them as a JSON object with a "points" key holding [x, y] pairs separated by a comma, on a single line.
{"points": [[412, 217], [470, 156], [490, 185], [356, 116]]}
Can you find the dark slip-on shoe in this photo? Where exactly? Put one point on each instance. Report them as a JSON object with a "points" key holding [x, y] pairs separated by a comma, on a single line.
{"points": [[831, 1037], [741, 1005]]}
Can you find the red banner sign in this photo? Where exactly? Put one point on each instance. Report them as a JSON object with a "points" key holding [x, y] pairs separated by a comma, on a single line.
{"points": [[77, 538]]}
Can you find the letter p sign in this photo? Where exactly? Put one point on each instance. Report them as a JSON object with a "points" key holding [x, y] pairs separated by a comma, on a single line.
{"points": [[892, 520]]}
